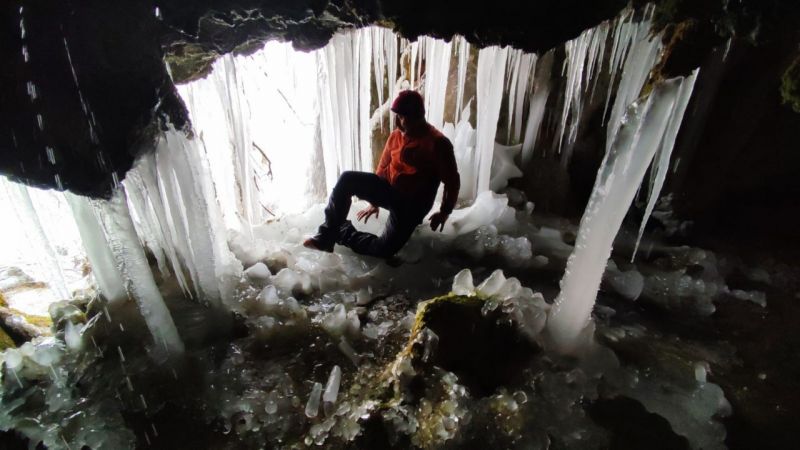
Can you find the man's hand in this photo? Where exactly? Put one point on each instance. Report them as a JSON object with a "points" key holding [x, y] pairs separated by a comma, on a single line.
{"points": [[368, 212], [437, 220]]}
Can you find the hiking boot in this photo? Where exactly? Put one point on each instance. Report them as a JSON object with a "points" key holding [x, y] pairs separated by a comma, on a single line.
{"points": [[318, 243]]}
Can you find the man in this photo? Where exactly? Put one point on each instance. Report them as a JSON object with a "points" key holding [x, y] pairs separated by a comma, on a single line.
{"points": [[416, 158]]}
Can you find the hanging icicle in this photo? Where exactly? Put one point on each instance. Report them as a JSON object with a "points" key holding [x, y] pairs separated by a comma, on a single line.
{"points": [[491, 73], [437, 71], [661, 162]]}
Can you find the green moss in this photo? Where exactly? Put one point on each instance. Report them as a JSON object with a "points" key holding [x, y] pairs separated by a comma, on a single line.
{"points": [[790, 85], [5, 341], [189, 62], [3, 302]]}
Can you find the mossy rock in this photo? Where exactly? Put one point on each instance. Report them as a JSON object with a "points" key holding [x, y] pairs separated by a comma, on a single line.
{"points": [[484, 350], [790, 85], [6, 341]]}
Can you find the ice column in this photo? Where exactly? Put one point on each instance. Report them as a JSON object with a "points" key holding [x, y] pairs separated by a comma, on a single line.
{"points": [[490, 77], [618, 179], [139, 282], [661, 163]]}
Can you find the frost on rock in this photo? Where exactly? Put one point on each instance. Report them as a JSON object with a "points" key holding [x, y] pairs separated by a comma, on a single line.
{"points": [[527, 309]]}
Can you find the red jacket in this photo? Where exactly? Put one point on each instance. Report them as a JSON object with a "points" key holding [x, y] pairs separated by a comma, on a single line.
{"points": [[413, 165]]}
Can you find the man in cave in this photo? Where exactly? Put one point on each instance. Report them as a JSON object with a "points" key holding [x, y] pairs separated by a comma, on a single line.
{"points": [[415, 159]]}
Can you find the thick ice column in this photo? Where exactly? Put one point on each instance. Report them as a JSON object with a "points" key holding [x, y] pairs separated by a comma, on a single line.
{"points": [[104, 266], [618, 179], [661, 164], [139, 282], [491, 74]]}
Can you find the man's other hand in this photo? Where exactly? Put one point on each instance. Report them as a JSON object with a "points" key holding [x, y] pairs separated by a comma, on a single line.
{"points": [[368, 212], [437, 220]]}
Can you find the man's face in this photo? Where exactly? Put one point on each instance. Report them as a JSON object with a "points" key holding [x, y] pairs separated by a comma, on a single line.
{"points": [[402, 122]]}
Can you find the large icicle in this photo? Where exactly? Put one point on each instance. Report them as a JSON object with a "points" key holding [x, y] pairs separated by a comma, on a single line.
{"points": [[39, 242], [526, 64], [661, 164], [541, 91], [618, 179], [139, 282], [642, 56], [345, 97], [463, 58], [490, 77], [104, 267], [392, 56], [437, 71]]}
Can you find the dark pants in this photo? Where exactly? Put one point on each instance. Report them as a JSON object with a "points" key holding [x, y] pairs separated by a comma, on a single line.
{"points": [[404, 214]]}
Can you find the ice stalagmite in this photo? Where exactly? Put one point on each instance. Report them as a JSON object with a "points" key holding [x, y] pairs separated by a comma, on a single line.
{"points": [[135, 269], [620, 175], [661, 163], [490, 77]]}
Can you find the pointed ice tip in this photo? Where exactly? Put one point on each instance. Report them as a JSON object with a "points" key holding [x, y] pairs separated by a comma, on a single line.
{"points": [[462, 283], [492, 285]]}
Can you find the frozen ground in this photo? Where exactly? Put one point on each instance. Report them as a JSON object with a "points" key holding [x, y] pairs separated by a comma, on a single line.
{"points": [[267, 376]]}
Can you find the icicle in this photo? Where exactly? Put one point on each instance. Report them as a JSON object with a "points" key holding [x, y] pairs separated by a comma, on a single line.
{"points": [[491, 72], [378, 63], [538, 102], [437, 71], [390, 49], [661, 164], [364, 100], [104, 268], [414, 46], [619, 177], [135, 270], [144, 178], [527, 62], [641, 59], [463, 56], [513, 77]]}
